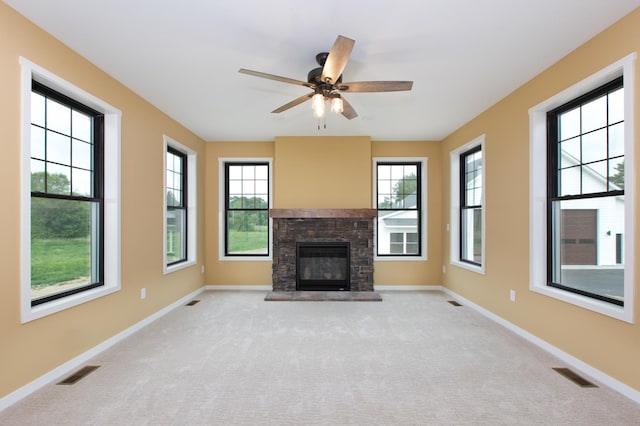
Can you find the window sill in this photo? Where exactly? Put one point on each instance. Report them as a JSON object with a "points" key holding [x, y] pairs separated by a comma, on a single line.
{"points": [[604, 308], [469, 266], [246, 258], [178, 266], [399, 258], [30, 313]]}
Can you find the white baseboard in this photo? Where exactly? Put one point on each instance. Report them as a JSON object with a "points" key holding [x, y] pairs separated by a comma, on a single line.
{"points": [[407, 287], [239, 287], [574, 362], [79, 361]]}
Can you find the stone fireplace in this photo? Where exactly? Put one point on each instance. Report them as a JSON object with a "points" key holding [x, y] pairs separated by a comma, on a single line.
{"points": [[330, 231]]}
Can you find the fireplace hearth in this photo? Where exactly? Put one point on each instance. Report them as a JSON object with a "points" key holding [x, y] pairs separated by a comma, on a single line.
{"points": [[322, 266]]}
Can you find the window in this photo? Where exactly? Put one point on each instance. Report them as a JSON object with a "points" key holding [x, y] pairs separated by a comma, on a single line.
{"points": [[471, 195], [247, 198], [399, 194], [180, 206], [66, 196], [467, 206], [582, 210], [70, 246], [403, 242], [585, 207], [176, 223]]}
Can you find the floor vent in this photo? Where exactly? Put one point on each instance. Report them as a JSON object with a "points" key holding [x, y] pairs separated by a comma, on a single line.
{"points": [[454, 303], [80, 374], [575, 378], [193, 302]]}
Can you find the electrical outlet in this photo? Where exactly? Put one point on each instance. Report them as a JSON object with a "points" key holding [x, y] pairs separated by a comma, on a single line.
{"points": [[512, 295], [444, 269], [203, 269], [143, 293]]}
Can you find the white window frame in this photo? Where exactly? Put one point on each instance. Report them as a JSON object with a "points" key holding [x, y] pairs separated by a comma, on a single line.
{"points": [[221, 213], [425, 204], [192, 208], [538, 191], [112, 129], [454, 220]]}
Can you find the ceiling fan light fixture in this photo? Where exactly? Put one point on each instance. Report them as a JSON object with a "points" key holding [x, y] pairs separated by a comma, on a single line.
{"points": [[317, 104], [337, 105]]}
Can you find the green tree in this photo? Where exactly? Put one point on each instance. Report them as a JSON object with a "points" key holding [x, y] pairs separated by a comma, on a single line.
{"points": [[386, 204], [403, 188], [171, 199], [618, 178], [406, 186], [57, 218], [56, 183], [247, 220]]}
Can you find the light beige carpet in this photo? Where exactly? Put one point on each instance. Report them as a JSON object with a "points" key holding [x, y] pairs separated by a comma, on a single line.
{"points": [[411, 359]]}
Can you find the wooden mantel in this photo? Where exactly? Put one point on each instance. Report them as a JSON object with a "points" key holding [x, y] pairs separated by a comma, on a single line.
{"points": [[322, 213]]}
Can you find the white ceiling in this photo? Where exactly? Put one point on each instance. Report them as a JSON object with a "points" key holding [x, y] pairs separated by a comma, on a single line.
{"points": [[183, 56]]}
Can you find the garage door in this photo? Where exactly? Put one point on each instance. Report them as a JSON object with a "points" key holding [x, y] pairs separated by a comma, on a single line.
{"points": [[578, 237]]}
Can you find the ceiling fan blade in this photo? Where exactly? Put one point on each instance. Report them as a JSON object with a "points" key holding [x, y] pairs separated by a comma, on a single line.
{"points": [[347, 110], [276, 78], [375, 86], [337, 59], [293, 103]]}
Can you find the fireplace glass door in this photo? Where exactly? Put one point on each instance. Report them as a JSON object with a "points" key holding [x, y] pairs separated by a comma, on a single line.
{"points": [[322, 266]]}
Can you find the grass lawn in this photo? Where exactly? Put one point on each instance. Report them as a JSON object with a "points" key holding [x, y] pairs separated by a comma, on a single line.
{"points": [[61, 260], [248, 241], [57, 261]]}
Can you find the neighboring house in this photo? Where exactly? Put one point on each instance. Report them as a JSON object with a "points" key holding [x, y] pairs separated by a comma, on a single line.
{"points": [[593, 229], [398, 229]]}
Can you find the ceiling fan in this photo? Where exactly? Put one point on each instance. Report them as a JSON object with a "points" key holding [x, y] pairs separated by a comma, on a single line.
{"points": [[326, 82]]}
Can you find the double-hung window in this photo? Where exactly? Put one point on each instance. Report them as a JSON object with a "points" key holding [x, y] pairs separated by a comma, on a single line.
{"points": [[582, 215], [467, 230], [176, 223], [586, 197], [471, 196], [246, 208], [180, 210], [67, 205], [70, 201], [399, 192]]}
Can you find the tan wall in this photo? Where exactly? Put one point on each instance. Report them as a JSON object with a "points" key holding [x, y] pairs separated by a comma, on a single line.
{"points": [[609, 345], [30, 350], [418, 272], [229, 272], [323, 172]]}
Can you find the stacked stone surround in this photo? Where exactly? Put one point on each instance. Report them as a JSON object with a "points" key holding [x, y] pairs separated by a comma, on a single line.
{"points": [[353, 225]]}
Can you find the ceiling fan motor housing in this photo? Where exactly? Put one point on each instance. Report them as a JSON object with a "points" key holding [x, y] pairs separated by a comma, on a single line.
{"points": [[321, 58], [315, 77]]}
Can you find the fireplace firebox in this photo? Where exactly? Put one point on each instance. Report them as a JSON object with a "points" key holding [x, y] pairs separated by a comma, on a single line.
{"points": [[322, 266]]}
